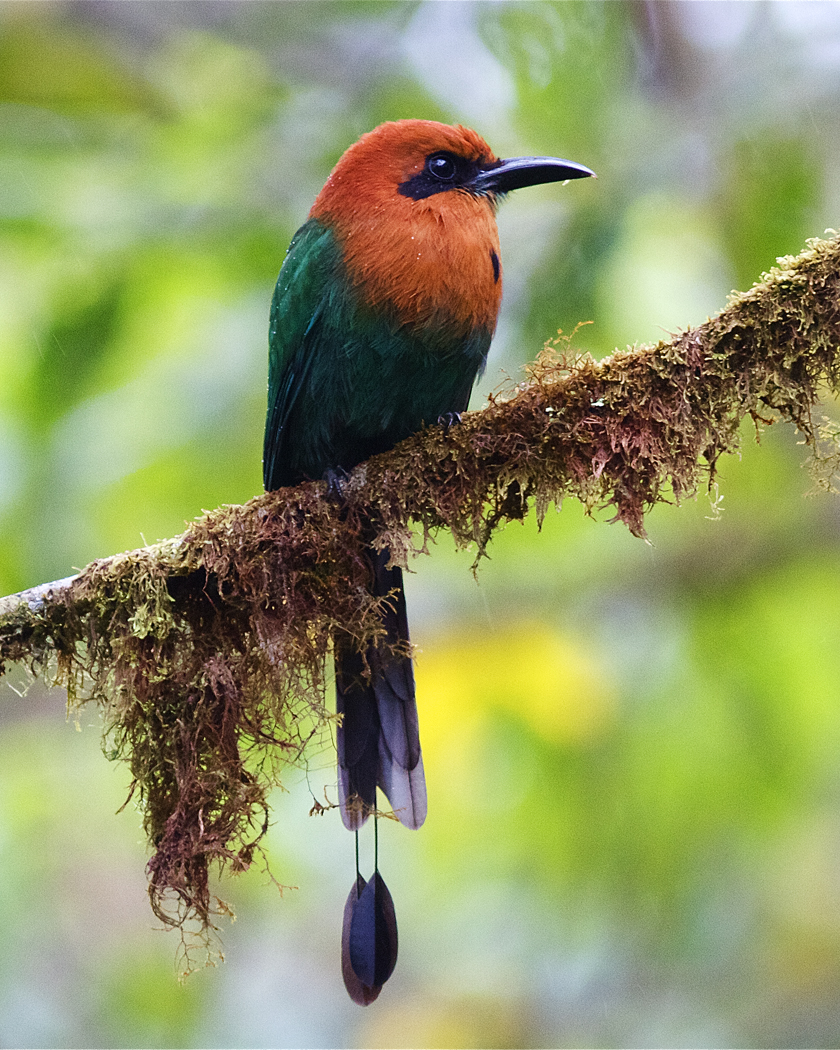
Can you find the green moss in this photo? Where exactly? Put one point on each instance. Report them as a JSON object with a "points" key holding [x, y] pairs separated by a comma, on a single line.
{"points": [[206, 653]]}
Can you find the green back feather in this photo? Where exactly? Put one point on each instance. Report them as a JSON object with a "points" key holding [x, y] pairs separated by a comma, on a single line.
{"points": [[346, 381]]}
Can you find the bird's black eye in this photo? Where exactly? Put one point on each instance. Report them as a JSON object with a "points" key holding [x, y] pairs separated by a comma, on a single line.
{"points": [[442, 166], [442, 172]]}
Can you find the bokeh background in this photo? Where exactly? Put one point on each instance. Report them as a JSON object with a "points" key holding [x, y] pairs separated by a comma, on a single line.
{"points": [[633, 751]]}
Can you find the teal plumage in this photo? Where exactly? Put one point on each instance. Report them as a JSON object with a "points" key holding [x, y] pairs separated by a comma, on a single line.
{"points": [[346, 380]]}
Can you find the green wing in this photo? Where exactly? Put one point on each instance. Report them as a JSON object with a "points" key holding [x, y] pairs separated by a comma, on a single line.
{"points": [[346, 380], [302, 295]]}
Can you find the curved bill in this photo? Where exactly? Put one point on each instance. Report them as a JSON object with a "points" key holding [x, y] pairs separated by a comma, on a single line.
{"points": [[517, 172]]}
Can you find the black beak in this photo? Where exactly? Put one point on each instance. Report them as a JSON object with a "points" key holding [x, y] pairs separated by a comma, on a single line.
{"points": [[517, 172]]}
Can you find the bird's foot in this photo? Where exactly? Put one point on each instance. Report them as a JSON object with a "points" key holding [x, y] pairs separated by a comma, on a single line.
{"points": [[335, 480], [449, 420]]}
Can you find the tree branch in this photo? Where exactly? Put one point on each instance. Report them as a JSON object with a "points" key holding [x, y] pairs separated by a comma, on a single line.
{"points": [[206, 652]]}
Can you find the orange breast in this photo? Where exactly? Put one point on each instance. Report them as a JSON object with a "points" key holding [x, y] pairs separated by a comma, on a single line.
{"points": [[433, 262]]}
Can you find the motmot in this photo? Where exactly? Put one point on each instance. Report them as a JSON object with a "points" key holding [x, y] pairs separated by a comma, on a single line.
{"points": [[380, 324]]}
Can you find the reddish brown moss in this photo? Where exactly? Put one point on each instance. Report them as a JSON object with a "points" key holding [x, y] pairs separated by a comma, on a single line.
{"points": [[207, 652]]}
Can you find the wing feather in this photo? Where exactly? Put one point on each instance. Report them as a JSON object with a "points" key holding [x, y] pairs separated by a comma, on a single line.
{"points": [[297, 309]]}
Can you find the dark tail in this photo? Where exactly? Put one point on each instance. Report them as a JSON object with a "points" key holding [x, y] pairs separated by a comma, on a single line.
{"points": [[379, 739]]}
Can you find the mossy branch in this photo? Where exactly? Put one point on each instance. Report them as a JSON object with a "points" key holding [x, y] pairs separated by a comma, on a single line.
{"points": [[206, 653]]}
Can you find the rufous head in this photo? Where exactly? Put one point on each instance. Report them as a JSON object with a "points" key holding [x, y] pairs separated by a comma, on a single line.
{"points": [[419, 159], [389, 160], [413, 205]]}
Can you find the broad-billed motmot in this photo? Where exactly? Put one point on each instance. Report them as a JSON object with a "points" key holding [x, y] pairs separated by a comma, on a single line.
{"points": [[380, 323]]}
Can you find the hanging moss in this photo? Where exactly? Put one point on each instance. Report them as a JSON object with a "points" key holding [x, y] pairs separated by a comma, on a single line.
{"points": [[206, 653]]}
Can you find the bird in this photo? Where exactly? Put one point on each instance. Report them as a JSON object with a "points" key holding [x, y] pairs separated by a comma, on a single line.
{"points": [[380, 323]]}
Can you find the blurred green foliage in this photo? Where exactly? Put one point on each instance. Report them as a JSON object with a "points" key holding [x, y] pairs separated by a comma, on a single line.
{"points": [[631, 749]]}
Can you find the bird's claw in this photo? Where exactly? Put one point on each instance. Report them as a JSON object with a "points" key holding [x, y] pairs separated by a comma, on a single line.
{"points": [[335, 479], [449, 420]]}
